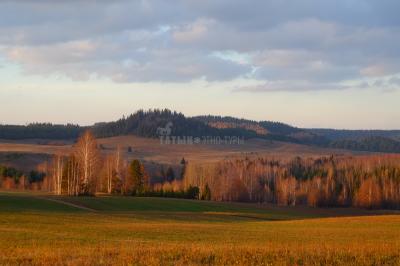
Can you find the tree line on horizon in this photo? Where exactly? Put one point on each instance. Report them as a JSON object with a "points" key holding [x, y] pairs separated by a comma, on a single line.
{"points": [[145, 124]]}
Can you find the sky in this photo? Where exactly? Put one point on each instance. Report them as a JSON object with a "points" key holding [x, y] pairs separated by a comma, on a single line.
{"points": [[309, 63]]}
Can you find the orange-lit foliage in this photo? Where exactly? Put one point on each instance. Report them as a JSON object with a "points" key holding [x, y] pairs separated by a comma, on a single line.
{"points": [[365, 181]]}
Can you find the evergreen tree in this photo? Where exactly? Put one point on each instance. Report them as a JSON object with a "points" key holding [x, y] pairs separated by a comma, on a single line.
{"points": [[170, 174], [136, 176], [183, 161]]}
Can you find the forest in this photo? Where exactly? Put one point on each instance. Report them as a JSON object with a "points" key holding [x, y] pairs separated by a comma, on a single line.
{"points": [[145, 124], [262, 128], [338, 181], [373, 143], [40, 131], [368, 181]]}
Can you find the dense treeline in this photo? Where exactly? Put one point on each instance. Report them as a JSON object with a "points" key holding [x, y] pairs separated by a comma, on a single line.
{"points": [[267, 130], [262, 127], [232, 122], [363, 181], [40, 130], [148, 123], [279, 128], [142, 123], [252, 129], [342, 134], [379, 144]]}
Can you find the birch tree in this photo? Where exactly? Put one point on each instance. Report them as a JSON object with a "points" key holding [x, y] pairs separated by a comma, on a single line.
{"points": [[58, 165], [88, 157]]}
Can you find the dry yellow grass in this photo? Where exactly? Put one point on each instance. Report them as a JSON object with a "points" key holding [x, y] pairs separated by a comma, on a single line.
{"points": [[94, 240], [34, 148], [151, 149], [52, 234]]}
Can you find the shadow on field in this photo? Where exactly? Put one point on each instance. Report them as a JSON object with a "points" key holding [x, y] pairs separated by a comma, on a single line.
{"points": [[149, 208]]}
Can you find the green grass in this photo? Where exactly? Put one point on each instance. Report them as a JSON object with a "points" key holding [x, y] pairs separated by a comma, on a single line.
{"points": [[20, 202], [168, 205], [153, 231]]}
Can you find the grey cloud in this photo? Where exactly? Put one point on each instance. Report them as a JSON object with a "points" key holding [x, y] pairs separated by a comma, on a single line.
{"points": [[298, 86], [395, 81], [322, 43]]}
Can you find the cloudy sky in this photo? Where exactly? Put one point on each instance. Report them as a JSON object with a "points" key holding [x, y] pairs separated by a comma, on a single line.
{"points": [[310, 63]]}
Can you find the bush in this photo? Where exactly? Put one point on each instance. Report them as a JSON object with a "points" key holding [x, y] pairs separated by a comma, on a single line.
{"points": [[192, 192]]}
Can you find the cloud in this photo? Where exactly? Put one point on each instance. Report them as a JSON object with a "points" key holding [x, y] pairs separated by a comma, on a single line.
{"points": [[125, 61], [378, 70], [192, 32], [285, 45], [394, 81], [298, 86]]}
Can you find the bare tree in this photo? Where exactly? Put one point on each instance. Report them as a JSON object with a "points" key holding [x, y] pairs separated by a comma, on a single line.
{"points": [[88, 157], [72, 176], [58, 165], [110, 172]]}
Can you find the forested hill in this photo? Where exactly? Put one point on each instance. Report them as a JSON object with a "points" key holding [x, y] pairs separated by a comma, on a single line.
{"points": [[267, 129], [141, 123], [262, 128], [147, 123]]}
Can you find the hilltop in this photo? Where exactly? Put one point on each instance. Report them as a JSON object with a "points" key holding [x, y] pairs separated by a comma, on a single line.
{"points": [[146, 124]]}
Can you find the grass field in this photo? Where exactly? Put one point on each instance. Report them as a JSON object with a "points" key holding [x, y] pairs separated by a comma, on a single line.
{"points": [[42, 230], [151, 150]]}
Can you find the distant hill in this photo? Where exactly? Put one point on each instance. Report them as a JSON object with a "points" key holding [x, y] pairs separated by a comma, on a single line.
{"points": [[232, 122], [148, 123], [279, 128], [266, 129]]}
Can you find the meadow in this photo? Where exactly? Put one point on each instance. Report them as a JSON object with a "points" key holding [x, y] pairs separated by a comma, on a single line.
{"points": [[151, 150], [39, 229]]}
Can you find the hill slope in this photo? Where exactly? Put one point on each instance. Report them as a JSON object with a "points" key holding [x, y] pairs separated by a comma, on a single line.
{"points": [[149, 123]]}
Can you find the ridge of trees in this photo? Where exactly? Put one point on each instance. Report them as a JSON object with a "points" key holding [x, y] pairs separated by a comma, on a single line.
{"points": [[267, 129], [232, 122], [40, 130], [346, 134], [145, 124], [373, 144], [261, 128]]}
